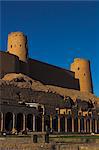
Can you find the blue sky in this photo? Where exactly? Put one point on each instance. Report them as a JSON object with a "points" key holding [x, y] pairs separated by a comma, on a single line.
{"points": [[57, 31]]}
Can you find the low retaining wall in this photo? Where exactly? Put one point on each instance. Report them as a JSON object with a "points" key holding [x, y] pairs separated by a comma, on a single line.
{"points": [[26, 143]]}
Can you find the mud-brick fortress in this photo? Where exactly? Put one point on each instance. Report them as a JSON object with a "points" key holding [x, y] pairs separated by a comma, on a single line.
{"points": [[36, 96]]}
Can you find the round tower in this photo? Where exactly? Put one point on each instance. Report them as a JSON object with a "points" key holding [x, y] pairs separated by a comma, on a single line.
{"points": [[81, 67], [17, 45]]}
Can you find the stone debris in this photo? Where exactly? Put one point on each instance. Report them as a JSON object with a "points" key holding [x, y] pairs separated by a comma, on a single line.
{"points": [[23, 81]]}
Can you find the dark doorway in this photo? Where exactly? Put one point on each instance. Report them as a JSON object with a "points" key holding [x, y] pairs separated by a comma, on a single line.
{"points": [[39, 123], [30, 122], [98, 126], [88, 125], [76, 124], [62, 124], [93, 125], [47, 123], [19, 124], [69, 124], [82, 125], [0, 121], [8, 121], [55, 123]]}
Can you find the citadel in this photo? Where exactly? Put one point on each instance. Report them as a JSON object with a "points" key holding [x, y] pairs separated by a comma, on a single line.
{"points": [[36, 96]]}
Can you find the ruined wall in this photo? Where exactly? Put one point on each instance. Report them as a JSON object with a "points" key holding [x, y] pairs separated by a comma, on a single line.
{"points": [[10, 95]]}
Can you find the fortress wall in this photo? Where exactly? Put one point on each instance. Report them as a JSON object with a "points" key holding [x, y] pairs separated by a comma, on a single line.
{"points": [[52, 75], [24, 68], [8, 63], [37, 70], [16, 60]]}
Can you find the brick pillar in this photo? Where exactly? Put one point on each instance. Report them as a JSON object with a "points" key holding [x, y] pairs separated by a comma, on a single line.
{"points": [[65, 123], [33, 122], [95, 125], [85, 125], [24, 118], [26, 123], [72, 123], [58, 123], [2, 121], [79, 124], [42, 123], [90, 125], [13, 124], [51, 122]]}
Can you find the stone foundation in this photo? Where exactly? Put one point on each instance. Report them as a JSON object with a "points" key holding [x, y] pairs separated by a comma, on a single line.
{"points": [[25, 143]]}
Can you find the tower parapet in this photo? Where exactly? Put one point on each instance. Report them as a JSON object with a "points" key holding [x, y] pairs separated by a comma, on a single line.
{"points": [[17, 45], [82, 70]]}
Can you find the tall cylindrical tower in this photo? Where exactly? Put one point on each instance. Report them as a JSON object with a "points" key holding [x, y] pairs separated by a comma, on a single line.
{"points": [[17, 45], [81, 67]]}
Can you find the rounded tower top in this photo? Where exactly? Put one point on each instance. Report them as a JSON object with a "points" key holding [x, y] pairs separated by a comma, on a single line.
{"points": [[80, 63], [81, 60], [82, 70], [17, 45], [77, 59]]}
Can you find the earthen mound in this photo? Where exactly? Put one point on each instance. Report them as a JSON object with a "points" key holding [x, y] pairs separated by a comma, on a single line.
{"points": [[24, 81]]}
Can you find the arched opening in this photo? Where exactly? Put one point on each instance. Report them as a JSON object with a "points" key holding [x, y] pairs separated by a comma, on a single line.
{"points": [[76, 124], [82, 125], [93, 125], [0, 121], [39, 123], [38, 119], [69, 124], [19, 122], [8, 121], [88, 125], [55, 123], [47, 123], [62, 124], [98, 126], [30, 122]]}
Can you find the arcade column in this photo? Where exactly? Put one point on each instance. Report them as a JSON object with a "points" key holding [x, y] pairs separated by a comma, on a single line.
{"points": [[24, 119], [65, 123], [33, 122], [13, 125], [58, 123], [72, 123], [51, 122], [95, 125], [78, 124], [42, 123], [90, 125], [2, 121], [85, 125]]}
